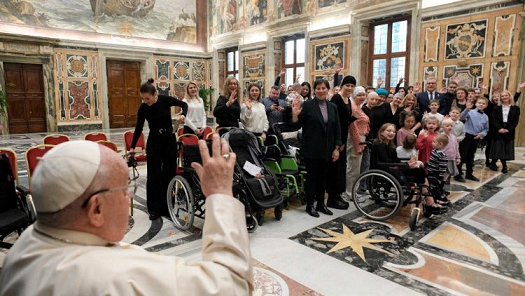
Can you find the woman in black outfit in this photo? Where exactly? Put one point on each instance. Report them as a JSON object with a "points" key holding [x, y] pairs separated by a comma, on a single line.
{"points": [[320, 143], [337, 185], [505, 118], [161, 147], [227, 112]]}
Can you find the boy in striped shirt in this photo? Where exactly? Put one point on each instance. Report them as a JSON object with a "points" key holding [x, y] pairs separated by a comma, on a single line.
{"points": [[437, 167]]}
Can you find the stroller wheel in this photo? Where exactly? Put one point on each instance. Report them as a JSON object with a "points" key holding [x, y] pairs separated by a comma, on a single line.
{"points": [[251, 223], [278, 212], [414, 219]]}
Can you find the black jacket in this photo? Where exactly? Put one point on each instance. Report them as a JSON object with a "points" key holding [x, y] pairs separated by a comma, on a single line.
{"points": [[227, 116], [319, 139], [512, 122]]}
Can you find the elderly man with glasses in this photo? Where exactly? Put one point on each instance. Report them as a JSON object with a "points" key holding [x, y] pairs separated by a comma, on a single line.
{"points": [[81, 194]]}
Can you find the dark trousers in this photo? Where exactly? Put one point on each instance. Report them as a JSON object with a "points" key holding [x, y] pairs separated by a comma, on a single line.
{"points": [[316, 170], [336, 183], [488, 147], [162, 161], [467, 150], [188, 130]]}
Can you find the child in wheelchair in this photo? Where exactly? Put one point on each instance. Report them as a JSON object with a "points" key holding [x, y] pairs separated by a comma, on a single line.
{"points": [[384, 151]]}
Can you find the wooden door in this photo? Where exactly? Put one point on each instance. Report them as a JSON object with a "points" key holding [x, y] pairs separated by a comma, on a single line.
{"points": [[25, 92], [123, 89]]}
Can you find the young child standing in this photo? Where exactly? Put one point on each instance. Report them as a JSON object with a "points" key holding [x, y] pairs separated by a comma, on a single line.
{"points": [[424, 141], [459, 127], [434, 107], [437, 167], [452, 149], [476, 127], [407, 121]]}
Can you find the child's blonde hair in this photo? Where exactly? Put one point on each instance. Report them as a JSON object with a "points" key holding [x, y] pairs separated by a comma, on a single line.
{"points": [[430, 118]]}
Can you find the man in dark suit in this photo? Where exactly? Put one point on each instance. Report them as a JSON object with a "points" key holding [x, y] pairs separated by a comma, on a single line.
{"points": [[430, 93], [320, 143]]}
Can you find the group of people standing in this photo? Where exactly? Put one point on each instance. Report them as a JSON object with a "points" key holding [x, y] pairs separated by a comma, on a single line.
{"points": [[335, 126]]}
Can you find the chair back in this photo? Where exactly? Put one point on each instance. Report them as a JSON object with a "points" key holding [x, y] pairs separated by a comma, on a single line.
{"points": [[109, 144], [180, 131], [55, 139], [95, 136], [128, 138], [33, 156], [189, 139], [207, 130], [11, 154]]}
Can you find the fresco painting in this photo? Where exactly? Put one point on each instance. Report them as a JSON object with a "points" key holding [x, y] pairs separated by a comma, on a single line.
{"points": [[154, 19]]}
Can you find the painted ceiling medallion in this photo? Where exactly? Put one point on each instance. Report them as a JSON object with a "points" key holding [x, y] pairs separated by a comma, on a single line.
{"points": [[354, 241]]}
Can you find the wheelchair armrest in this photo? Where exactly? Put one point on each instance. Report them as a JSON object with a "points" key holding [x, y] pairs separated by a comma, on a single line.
{"points": [[394, 165]]}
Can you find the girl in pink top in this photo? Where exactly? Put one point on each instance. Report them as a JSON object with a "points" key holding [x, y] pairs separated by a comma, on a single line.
{"points": [[424, 141], [408, 121], [452, 149]]}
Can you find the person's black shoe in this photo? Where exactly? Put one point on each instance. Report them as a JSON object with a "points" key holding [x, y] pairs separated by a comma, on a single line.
{"points": [[337, 204], [310, 210], [321, 207], [154, 216], [504, 170], [493, 168], [472, 178], [459, 178], [443, 201]]}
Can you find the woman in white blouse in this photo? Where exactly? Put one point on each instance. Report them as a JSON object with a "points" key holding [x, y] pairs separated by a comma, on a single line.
{"points": [[253, 113], [196, 117]]}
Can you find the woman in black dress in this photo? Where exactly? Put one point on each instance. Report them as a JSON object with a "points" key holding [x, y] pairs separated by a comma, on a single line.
{"points": [[161, 147]]}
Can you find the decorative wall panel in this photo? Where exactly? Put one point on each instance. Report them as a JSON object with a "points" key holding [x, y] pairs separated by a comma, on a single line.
{"points": [[466, 40], [77, 85], [499, 76], [469, 76], [173, 73], [330, 52], [253, 70], [503, 33], [432, 44], [479, 47]]}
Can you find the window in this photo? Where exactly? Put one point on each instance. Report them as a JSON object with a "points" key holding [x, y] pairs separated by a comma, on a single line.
{"points": [[389, 51], [293, 59], [232, 62]]}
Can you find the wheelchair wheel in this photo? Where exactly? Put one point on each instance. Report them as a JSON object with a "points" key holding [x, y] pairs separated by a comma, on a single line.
{"points": [[181, 203], [382, 200], [251, 223], [414, 219]]}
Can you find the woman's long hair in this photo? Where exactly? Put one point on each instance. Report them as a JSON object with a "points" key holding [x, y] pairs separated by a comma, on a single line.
{"points": [[187, 95], [384, 140]]}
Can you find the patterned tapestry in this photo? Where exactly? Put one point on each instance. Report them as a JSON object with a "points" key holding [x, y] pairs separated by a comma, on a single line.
{"points": [[468, 76], [327, 56], [172, 74]]}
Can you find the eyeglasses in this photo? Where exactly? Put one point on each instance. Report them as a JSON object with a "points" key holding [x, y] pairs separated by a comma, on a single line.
{"points": [[130, 190]]}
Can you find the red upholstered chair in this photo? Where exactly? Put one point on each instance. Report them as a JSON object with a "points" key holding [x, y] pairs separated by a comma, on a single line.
{"points": [[180, 131], [11, 154], [95, 136], [33, 156], [188, 139], [128, 138], [209, 136], [55, 139], [207, 131], [109, 144]]}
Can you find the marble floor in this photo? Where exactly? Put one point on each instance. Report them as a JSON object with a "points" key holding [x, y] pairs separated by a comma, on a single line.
{"points": [[477, 248]]}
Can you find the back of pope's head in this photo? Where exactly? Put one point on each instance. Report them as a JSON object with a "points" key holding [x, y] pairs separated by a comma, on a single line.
{"points": [[63, 174]]}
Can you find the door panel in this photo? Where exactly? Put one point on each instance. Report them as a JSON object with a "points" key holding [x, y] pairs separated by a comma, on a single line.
{"points": [[25, 93], [123, 89]]}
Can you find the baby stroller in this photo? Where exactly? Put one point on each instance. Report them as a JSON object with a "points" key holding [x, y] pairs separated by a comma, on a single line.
{"points": [[261, 190]]}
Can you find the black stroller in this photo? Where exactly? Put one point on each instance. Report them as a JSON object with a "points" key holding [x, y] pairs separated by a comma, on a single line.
{"points": [[262, 190]]}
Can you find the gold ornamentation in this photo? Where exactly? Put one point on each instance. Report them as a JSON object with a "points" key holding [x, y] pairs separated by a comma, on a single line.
{"points": [[354, 241]]}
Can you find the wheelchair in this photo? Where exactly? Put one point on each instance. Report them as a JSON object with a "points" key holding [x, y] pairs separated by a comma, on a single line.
{"points": [[388, 190], [184, 195]]}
